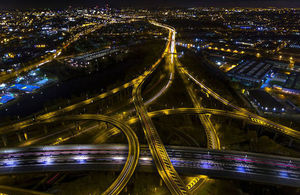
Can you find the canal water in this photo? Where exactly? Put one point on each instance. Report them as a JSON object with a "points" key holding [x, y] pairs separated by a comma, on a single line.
{"points": [[32, 103]]}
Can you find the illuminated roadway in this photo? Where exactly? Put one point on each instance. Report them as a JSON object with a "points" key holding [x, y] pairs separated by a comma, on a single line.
{"points": [[206, 111], [158, 151], [213, 141], [187, 160], [133, 147], [211, 135], [176, 111], [162, 161], [26, 123], [278, 128], [203, 111], [46, 59], [29, 122]]}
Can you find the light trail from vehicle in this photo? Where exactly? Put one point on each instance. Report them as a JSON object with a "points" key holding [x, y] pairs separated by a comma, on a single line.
{"points": [[158, 151], [133, 147], [189, 161]]}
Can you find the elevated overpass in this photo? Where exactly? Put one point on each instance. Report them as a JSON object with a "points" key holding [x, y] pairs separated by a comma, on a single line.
{"points": [[186, 160]]}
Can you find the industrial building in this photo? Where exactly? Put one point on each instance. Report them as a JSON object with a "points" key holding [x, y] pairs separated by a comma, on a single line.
{"points": [[265, 102], [250, 72]]}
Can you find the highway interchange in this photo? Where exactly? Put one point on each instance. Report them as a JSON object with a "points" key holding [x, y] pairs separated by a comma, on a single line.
{"points": [[224, 164]]}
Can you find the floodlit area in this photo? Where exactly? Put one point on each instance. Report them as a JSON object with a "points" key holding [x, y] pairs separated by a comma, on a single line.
{"points": [[29, 83]]}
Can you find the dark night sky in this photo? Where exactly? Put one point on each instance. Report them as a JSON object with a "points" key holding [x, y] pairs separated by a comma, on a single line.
{"points": [[146, 3]]}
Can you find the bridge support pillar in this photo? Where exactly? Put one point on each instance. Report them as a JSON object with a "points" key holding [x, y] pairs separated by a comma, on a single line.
{"points": [[4, 140], [101, 104], [19, 137], [290, 142], [119, 96], [125, 93], [259, 131], [72, 132], [244, 124], [110, 100], [45, 129], [229, 121], [247, 129], [275, 136]]}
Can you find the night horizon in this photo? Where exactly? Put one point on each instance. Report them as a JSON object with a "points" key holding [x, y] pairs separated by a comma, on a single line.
{"points": [[61, 4]]}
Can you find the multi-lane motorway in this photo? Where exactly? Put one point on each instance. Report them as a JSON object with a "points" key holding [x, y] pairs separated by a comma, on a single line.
{"points": [[133, 147], [162, 161], [167, 160], [278, 128], [186, 160], [158, 151], [131, 160], [213, 141]]}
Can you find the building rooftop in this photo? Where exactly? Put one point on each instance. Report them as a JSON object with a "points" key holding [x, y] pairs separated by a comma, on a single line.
{"points": [[251, 71], [265, 101]]}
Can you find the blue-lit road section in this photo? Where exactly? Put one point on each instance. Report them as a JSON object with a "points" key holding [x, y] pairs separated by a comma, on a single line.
{"points": [[6, 98], [27, 88], [42, 82], [235, 165]]}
